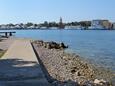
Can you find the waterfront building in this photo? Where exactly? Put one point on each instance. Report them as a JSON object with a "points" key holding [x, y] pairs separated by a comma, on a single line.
{"points": [[17, 26], [53, 28], [96, 24], [61, 25], [3, 26], [113, 26], [100, 24], [79, 27], [106, 24]]}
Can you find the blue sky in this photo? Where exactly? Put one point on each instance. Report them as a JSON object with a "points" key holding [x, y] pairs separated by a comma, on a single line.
{"points": [[17, 11]]}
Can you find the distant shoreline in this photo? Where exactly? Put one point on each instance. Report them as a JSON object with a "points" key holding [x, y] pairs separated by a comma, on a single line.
{"points": [[56, 29]]}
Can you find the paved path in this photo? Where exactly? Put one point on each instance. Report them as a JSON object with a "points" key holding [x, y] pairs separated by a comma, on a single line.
{"points": [[20, 67], [6, 42]]}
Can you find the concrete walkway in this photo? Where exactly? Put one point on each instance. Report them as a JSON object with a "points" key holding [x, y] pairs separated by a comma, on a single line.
{"points": [[20, 67], [6, 43]]}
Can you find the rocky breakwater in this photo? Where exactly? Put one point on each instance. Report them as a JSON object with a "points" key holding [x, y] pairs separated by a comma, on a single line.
{"points": [[69, 69], [51, 45]]}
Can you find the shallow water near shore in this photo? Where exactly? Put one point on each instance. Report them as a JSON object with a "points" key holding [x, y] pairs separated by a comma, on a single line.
{"points": [[98, 46]]}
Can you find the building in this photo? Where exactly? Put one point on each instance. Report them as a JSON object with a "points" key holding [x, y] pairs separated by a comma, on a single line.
{"points": [[96, 24], [61, 25], [101, 24], [3, 26], [113, 26], [106, 24], [79, 27]]}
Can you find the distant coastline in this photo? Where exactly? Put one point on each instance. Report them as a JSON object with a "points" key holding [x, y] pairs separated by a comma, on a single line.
{"points": [[81, 25], [52, 29]]}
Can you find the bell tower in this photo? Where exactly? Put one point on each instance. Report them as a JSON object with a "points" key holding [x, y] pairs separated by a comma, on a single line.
{"points": [[61, 25]]}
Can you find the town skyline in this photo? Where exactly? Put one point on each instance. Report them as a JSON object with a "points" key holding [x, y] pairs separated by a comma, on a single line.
{"points": [[83, 25], [56, 21]]}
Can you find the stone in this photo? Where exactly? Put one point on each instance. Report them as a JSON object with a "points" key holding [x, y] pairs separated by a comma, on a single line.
{"points": [[101, 82], [51, 45], [64, 57], [48, 46], [73, 71], [55, 83], [96, 81], [88, 83], [70, 83], [78, 73]]}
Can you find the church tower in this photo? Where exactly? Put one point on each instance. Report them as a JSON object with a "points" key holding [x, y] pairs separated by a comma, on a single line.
{"points": [[61, 25]]}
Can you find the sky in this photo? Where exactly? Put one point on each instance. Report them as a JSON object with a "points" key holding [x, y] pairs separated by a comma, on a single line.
{"points": [[37, 11]]}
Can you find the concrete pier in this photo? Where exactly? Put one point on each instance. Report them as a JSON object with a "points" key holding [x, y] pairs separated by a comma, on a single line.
{"points": [[7, 34], [20, 67]]}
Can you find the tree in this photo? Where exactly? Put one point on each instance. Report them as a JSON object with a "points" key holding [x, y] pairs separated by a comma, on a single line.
{"points": [[85, 24], [29, 24], [46, 24], [53, 24], [35, 25], [11, 25]]}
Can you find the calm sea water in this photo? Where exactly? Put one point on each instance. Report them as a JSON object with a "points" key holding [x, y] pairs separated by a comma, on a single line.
{"points": [[96, 45]]}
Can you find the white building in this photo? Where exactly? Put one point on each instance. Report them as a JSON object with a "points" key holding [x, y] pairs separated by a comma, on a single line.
{"points": [[96, 24], [100, 24], [3, 26], [74, 27]]}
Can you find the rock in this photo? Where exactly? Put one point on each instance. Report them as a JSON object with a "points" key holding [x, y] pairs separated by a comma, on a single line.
{"points": [[88, 83], [48, 46], [64, 57], [39, 42], [70, 83], [67, 58], [96, 81], [81, 80], [62, 45], [73, 71], [78, 73], [101, 82], [55, 83], [53, 45]]}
